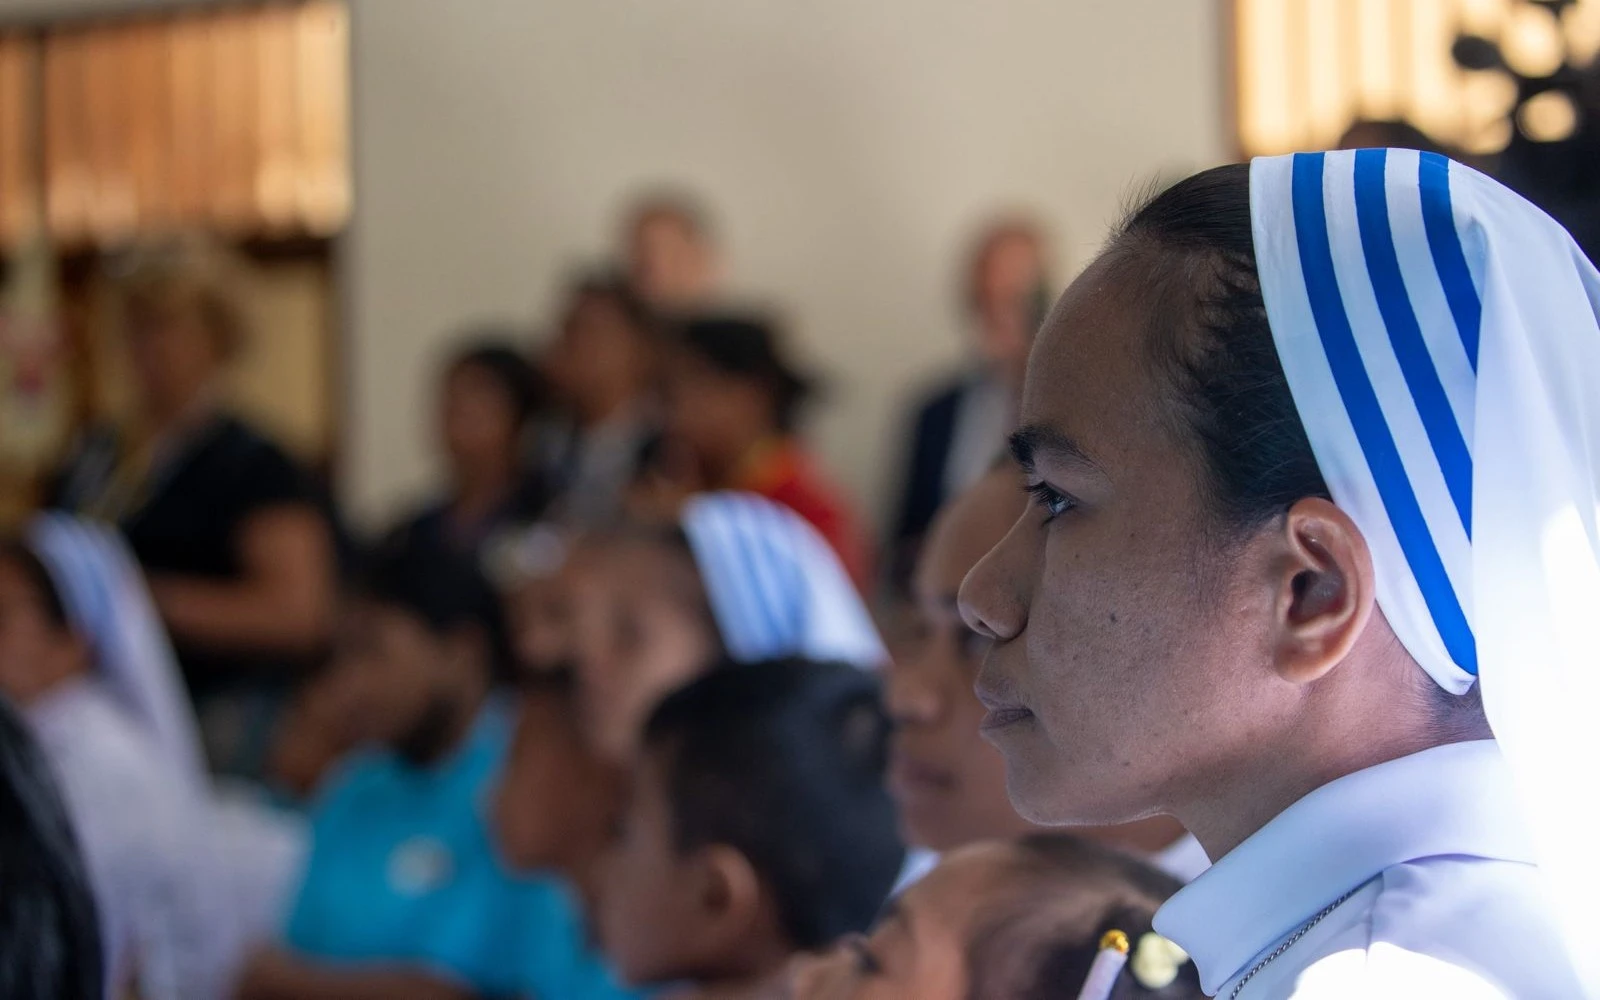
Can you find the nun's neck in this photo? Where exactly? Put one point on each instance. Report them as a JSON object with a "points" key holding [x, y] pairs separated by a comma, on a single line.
{"points": [[1368, 711]]}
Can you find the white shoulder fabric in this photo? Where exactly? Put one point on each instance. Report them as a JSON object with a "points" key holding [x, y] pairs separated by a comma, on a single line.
{"points": [[1441, 337], [107, 602], [776, 588]]}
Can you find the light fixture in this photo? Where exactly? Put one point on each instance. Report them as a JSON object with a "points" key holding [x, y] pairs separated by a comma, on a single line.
{"points": [[1532, 41], [1548, 117], [1490, 138]]}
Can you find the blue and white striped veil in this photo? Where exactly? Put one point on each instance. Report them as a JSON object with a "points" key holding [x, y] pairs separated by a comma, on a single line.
{"points": [[1441, 337], [775, 587], [106, 601]]}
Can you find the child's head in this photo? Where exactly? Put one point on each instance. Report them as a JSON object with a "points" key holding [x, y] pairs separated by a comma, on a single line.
{"points": [[757, 826], [487, 395], [1004, 920], [418, 644], [740, 576], [641, 627]]}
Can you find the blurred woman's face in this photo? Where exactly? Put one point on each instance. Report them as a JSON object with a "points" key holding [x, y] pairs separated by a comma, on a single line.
{"points": [[478, 419], [1006, 282], [918, 949], [639, 632], [596, 350], [948, 783], [710, 411], [173, 353], [33, 651]]}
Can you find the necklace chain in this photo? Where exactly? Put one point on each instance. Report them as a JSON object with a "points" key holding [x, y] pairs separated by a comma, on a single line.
{"points": [[1305, 929]]}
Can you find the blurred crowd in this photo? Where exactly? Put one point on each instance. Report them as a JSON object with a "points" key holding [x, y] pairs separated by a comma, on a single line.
{"points": [[636, 705]]}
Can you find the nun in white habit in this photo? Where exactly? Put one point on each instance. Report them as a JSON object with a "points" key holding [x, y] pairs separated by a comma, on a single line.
{"points": [[1440, 337], [86, 658], [1379, 831]]}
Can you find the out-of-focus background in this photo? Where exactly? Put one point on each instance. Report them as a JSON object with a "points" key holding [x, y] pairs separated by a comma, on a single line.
{"points": [[405, 167], [409, 407]]}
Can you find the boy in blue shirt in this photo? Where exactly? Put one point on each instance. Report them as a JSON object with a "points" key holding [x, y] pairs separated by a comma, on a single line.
{"points": [[404, 895]]}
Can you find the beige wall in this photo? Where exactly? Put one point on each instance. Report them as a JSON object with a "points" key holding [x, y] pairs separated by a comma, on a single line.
{"points": [[848, 147]]}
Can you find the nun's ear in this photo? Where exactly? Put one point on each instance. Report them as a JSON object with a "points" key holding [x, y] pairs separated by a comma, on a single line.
{"points": [[1325, 591]]}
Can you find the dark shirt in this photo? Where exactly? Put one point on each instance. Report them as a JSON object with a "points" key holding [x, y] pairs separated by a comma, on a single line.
{"points": [[193, 506]]}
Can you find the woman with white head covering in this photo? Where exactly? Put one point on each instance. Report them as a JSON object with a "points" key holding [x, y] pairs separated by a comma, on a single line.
{"points": [[84, 656], [1315, 450], [738, 575]]}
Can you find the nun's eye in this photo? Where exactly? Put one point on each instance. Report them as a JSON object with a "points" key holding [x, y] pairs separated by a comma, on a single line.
{"points": [[1052, 501]]}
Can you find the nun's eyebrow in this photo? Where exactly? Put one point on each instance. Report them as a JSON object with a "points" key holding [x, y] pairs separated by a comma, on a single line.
{"points": [[1034, 441]]}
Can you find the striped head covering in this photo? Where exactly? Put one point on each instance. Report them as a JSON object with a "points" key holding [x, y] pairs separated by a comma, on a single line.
{"points": [[775, 587], [1441, 338], [106, 602]]}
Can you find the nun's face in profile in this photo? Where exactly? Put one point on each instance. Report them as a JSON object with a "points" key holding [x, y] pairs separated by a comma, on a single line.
{"points": [[637, 635], [1119, 623]]}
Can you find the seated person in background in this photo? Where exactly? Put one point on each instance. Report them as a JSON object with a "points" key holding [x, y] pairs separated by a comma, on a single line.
{"points": [[404, 894], [733, 407], [49, 935], [602, 369], [239, 553], [671, 253], [1011, 920], [948, 782], [959, 429], [486, 398], [739, 577], [757, 827], [83, 655]]}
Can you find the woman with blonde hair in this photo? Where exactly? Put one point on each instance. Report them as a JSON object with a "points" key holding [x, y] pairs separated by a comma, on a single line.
{"points": [[227, 527]]}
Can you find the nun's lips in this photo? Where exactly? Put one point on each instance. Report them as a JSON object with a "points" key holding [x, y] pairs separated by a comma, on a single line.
{"points": [[1004, 718], [1002, 712]]}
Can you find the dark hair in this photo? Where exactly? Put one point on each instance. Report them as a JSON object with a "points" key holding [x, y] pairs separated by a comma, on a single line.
{"points": [[1213, 348], [16, 551], [1040, 946], [748, 348], [49, 933], [499, 359], [445, 590], [613, 287], [784, 761]]}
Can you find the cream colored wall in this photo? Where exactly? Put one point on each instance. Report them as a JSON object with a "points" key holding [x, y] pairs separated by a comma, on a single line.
{"points": [[848, 146]]}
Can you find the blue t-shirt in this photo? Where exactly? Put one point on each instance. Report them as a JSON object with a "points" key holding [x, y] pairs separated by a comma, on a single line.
{"points": [[402, 868]]}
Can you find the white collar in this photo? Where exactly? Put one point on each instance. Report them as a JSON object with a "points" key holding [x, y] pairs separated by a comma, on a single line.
{"points": [[1449, 800]]}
